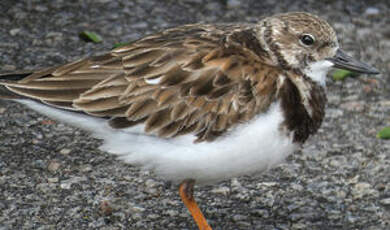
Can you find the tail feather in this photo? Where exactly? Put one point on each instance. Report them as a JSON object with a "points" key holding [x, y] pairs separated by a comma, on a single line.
{"points": [[5, 78], [16, 76]]}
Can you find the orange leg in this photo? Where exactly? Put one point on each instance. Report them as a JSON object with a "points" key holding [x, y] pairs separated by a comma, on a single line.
{"points": [[186, 190]]}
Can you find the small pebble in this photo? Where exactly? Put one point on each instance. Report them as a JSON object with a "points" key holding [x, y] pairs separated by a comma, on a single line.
{"points": [[105, 208], [233, 3], [385, 201], [238, 218], [353, 106], [15, 31], [172, 213], [223, 190], [8, 68], [363, 189], [371, 11], [53, 180], [65, 151], [53, 166]]}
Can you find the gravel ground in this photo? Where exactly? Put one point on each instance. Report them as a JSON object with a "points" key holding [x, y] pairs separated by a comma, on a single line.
{"points": [[53, 177]]}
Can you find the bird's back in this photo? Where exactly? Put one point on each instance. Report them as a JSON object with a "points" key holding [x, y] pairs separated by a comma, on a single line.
{"points": [[200, 79]]}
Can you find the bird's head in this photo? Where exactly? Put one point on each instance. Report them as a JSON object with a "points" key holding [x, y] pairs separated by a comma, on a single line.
{"points": [[305, 42]]}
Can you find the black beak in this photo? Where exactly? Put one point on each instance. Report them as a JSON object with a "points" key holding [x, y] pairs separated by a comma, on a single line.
{"points": [[343, 61]]}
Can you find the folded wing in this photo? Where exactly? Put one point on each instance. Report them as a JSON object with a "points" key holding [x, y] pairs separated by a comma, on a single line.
{"points": [[190, 79]]}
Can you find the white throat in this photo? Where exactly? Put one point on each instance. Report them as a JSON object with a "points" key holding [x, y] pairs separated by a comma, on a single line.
{"points": [[317, 71]]}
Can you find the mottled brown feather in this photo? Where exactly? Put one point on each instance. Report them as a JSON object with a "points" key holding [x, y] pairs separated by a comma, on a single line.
{"points": [[204, 82]]}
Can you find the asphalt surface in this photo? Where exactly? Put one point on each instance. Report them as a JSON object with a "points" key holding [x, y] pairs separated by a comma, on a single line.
{"points": [[53, 177]]}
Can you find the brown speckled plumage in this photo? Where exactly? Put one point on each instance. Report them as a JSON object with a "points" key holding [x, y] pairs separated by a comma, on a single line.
{"points": [[201, 79], [256, 89]]}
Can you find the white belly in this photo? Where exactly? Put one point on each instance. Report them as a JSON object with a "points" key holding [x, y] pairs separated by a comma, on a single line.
{"points": [[250, 148]]}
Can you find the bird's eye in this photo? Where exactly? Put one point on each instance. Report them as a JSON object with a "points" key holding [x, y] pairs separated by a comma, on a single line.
{"points": [[307, 39]]}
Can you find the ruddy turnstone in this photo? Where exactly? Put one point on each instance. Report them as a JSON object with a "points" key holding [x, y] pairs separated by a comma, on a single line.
{"points": [[197, 103]]}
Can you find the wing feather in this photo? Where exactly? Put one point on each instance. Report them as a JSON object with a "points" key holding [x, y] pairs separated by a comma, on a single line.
{"points": [[188, 79]]}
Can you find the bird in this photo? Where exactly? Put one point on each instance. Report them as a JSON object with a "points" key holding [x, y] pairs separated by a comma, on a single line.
{"points": [[197, 103]]}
